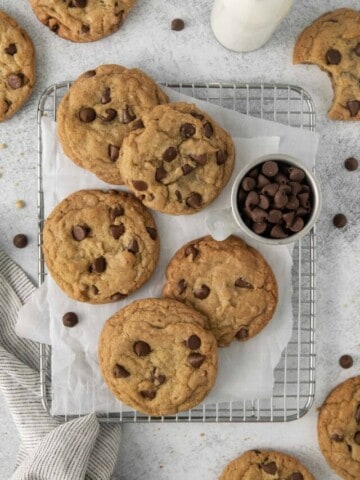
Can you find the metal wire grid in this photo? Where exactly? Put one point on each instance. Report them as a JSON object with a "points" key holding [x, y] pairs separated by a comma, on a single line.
{"points": [[294, 387]]}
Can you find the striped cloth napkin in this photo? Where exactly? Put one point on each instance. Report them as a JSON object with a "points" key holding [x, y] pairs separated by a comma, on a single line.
{"points": [[50, 450]]}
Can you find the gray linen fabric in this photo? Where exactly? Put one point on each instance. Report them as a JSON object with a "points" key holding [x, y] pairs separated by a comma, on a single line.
{"points": [[80, 449]]}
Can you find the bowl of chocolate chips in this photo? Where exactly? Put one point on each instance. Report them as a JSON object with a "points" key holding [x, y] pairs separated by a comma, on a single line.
{"points": [[276, 200]]}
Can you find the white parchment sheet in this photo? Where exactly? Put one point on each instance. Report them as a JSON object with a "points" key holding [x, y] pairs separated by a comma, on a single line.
{"points": [[245, 369]]}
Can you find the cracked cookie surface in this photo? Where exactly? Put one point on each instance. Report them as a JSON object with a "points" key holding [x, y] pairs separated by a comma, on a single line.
{"points": [[265, 465], [339, 429], [17, 58], [333, 43], [157, 356], [100, 246], [229, 282], [101, 107], [82, 20], [179, 162]]}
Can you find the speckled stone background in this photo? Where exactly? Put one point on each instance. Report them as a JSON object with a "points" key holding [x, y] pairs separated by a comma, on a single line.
{"points": [[193, 451]]}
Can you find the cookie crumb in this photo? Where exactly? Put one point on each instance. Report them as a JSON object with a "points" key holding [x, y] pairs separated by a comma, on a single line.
{"points": [[202, 434], [161, 466], [20, 204], [3, 146]]}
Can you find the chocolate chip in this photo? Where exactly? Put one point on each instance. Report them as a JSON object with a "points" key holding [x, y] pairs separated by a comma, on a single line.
{"points": [[120, 371], [87, 114], [193, 342], [85, 28], [284, 188], [346, 361], [117, 230], [159, 380], [262, 181], [353, 106], [270, 168], [357, 414], [116, 212], [90, 73], [187, 130], [301, 212], [297, 225], [339, 220], [264, 202], [199, 159], [128, 115], [333, 57], [149, 394], [259, 228], [197, 115], [275, 216], [278, 232], [296, 476], [141, 348], [269, 468], [98, 265], [53, 25], [207, 130], [178, 196], [281, 179], [241, 195], [113, 152], [252, 200], [253, 173], [194, 200], [221, 157], [280, 199], [288, 218], [191, 250], [196, 359], [351, 164], [170, 154], [70, 319], [357, 438], [242, 333], [110, 115], [11, 49], [140, 185], [187, 169], [248, 184], [259, 215], [293, 203], [94, 290], [270, 189], [160, 174], [152, 232], [20, 240], [79, 3], [106, 98], [337, 438], [15, 80], [241, 283], [177, 24], [133, 246], [182, 286], [137, 125], [116, 297], [357, 50], [80, 232], [202, 292], [295, 188]]}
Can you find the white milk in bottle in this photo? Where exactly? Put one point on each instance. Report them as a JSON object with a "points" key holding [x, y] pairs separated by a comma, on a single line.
{"points": [[245, 25]]}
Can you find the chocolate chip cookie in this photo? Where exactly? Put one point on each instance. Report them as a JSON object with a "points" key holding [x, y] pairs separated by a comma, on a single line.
{"points": [[229, 282], [263, 464], [17, 58], [179, 161], [339, 429], [333, 43], [157, 356], [100, 246], [82, 20], [101, 107]]}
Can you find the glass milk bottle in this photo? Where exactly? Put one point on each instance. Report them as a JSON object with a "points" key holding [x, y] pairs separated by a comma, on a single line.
{"points": [[245, 25]]}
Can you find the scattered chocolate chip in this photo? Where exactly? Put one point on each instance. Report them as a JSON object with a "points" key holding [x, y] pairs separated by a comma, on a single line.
{"points": [[346, 361], [170, 154], [202, 292], [128, 115], [278, 232], [98, 265], [80, 232], [140, 185], [152, 232], [137, 125], [296, 476], [351, 164], [15, 80], [110, 115], [357, 50], [193, 342], [194, 200], [87, 114], [339, 220], [85, 29], [241, 283], [182, 286], [270, 168], [221, 157], [90, 73], [11, 49], [141, 348], [270, 189], [113, 152], [117, 230], [333, 57], [186, 169], [177, 24], [199, 159], [357, 438], [252, 200], [191, 250], [149, 394], [70, 319], [20, 240], [133, 246], [248, 184], [187, 130], [120, 371], [337, 438], [242, 333], [116, 212], [106, 98], [353, 106], [269, 468], [196, 359], [207, 129], [116, 297], [178, 196], [197, 115], [259, 228]]}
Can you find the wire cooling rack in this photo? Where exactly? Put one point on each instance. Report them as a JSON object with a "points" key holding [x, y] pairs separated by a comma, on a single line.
{"points": [[294, 387]]}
